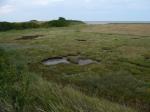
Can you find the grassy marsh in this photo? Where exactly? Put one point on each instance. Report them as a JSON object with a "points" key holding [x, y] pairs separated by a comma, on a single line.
{"points": [[119, 82]]}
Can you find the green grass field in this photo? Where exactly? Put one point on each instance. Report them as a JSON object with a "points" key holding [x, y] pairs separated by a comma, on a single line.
{"points": [[119, 82]]}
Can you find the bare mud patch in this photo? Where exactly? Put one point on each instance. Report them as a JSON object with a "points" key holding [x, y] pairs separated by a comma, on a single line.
{"points": [[81, 40], [29, 37], [106, 49], [135, 38]]}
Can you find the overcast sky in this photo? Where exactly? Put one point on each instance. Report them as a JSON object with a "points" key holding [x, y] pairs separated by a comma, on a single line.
{"points": [[89, 10]]}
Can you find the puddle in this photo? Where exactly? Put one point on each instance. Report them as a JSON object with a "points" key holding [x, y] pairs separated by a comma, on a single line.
{"points": [[78, 60], [28, 37], [85, 61], [55, 61]]}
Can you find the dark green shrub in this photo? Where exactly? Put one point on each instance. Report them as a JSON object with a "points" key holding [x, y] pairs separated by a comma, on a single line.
{"points": [[5, 26], [25, 25], [61, 22], [61, 19]]}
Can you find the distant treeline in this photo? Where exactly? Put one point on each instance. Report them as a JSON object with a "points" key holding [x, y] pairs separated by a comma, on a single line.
{"points": [[61, 22]]}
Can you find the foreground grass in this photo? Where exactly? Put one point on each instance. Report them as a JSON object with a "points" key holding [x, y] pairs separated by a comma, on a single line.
{"points": [[23, 91], [121, 76]]}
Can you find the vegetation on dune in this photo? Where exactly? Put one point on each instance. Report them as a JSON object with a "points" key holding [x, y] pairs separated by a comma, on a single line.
{"points": [[61, 22], [23, 91], [4, 26]]}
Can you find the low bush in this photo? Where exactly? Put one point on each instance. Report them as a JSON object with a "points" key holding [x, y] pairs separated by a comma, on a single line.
{"points": [[4, 26], [61, 22]]}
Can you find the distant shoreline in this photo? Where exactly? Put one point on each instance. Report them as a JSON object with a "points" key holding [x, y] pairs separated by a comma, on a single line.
{"points": [[117, 22]]}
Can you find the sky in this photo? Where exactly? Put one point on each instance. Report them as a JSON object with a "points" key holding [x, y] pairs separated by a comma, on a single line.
{"points": [[86, 10]]}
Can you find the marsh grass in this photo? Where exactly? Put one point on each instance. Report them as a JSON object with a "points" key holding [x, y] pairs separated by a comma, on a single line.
{"points": [[122, 76], [23, 91]]}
